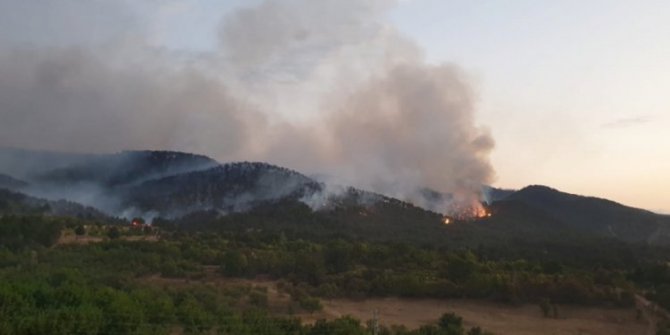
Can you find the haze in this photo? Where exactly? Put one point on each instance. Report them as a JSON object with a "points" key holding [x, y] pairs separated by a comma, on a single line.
{"points": [[574, 93]]}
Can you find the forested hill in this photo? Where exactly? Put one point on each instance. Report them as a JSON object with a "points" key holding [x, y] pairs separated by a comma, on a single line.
{"points": [[596, 216], [70, 268], [179, 186], [128, 167], [15, 203], [225, 188], [11, 183]]}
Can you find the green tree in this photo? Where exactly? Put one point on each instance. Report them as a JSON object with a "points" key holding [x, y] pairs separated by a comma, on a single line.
{"points": [[461, 268], [310, 304], [343, 326], [80, 230], [545, 307], [114, 233], [451, 323], [234, 264]]}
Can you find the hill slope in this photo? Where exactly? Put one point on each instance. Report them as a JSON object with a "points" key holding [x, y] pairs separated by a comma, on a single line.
{"points": [[596, 216], [228, 188], [11, 183], [14, 203], [173, 184], [125, 168]]}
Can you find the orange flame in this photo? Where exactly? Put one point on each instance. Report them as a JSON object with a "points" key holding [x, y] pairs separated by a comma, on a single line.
{"points": [[475, 211]]}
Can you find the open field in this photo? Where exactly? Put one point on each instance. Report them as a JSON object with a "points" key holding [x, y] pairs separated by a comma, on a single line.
{"points": [[69, 237], [501, 319], [412, 313]]}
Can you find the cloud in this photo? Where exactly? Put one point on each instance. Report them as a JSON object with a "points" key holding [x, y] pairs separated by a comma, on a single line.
{"points": [[627, 122]]}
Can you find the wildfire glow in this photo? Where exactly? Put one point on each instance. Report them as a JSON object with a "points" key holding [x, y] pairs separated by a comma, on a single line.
{"points": [[475, 211], [481, 212]]}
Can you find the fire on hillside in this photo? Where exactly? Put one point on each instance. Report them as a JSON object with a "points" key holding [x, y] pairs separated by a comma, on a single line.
{"points": [[477, 211]]}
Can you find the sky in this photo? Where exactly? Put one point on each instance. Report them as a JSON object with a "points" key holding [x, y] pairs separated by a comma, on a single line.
{"points": [[574, 93]]}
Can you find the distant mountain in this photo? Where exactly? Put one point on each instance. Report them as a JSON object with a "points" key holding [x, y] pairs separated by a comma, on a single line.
{"points": [[24, 164], [595, 216], [128, 167], [11, 183], [96, 180], [18, 203], [173, 185], [493, 194], [104, 169], [227, 188]]}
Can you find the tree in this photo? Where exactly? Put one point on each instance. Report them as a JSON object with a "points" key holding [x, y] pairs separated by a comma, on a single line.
{"points": [[343, 326], [258, 298], [234, 264], [310, 304], [113, 233], [461, 268], [80, 230], [451, 323], [545, 307], [477, 331]]}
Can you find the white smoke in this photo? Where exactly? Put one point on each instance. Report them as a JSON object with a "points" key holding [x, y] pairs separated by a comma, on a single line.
{"points": [[320, 86]]}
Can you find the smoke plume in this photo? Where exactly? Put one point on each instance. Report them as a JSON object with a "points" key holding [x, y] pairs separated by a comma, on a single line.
{"points": [[319, 86]]}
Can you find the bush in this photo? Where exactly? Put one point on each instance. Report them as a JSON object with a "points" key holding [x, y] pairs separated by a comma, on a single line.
{"points": [[310, 304], [80, 230], [545, 307], [113, 233], [258, 298], [451, 323]]}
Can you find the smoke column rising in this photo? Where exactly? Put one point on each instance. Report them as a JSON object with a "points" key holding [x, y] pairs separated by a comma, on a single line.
{"points": [[325, 87]]}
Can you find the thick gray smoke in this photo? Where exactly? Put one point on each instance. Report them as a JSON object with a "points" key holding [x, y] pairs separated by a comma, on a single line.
{"points": [[319, 86], [413, 128], [78, 100]]}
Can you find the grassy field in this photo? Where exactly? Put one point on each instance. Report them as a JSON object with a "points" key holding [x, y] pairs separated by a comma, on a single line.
{"points": [[501, 319]]}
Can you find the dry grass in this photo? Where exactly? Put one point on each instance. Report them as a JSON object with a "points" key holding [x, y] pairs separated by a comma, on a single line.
{"points": [[86, 239], [74, 239], [500, 319], [413, 313]]}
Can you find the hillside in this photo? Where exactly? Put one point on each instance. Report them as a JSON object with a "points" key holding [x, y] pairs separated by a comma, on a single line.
{"points": [[596, 216], [128, 167], [26, 164], [226, 188], [172, 185], [326, 247], [14, 203], [11, 183]]}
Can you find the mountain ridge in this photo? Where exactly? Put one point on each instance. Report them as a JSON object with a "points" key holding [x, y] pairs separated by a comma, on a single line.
{"points": [[601, 216], [172, 184]]}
